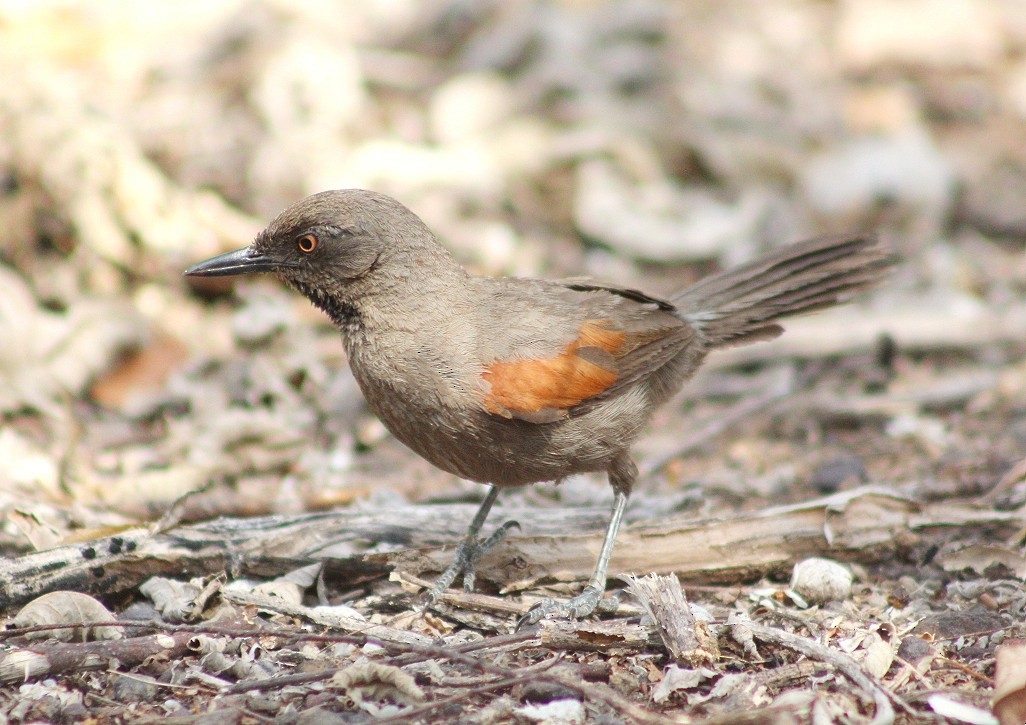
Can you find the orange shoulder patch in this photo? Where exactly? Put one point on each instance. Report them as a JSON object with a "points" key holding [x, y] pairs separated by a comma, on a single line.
{"points": [[545, 389]]}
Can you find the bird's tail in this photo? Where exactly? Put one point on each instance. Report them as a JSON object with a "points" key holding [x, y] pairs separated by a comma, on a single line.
{"points": [[741, 305]]}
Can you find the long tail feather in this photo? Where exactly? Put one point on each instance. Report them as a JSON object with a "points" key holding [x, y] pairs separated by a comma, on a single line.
{"points": [[742, 304]]}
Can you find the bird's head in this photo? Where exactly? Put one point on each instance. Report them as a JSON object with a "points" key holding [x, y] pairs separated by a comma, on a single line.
{"points": [[334, 234], [336, 245]]}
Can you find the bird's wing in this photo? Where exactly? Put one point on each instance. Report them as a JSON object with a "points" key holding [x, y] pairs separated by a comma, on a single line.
{"points": [[625, 337]]}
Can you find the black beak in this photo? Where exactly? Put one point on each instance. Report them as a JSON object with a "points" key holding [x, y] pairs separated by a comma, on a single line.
{"points": [[241, 261]]}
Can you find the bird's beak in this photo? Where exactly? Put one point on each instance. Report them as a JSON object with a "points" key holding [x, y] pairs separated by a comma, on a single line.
{"points": [[241, 261]]}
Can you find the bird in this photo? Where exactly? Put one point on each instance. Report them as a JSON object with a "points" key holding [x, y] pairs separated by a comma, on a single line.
{"points": [[510, 381]]}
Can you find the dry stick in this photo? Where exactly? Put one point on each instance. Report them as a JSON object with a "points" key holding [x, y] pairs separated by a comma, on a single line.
{"points": [[22, 631], [174, 513], [759, 716], [527, 674], [591, 690], [839, 661], [69, 653], [488, 643], [147, 680], [43, 659], [473, 601], [407, 715], [278, 681], [610, 697], [456, 683], [428, 651], [329, 620], [685, 638], [618, 635], [967, 669]]}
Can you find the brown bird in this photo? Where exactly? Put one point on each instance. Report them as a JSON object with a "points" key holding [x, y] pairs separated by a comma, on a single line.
{"points": [[510, 381]]}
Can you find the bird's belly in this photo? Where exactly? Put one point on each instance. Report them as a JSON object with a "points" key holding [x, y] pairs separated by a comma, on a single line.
{"points": [[507, 452], [470, 446]]}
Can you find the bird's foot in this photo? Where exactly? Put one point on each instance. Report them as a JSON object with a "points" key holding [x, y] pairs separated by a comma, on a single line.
{"points": [[470, 550], [588, 601]]}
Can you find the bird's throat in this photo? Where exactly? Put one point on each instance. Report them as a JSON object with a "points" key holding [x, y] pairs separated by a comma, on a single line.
{"points": [[343, 313]]}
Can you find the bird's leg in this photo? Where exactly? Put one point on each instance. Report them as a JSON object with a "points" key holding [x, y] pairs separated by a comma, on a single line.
{"points": [[470, 549], [622, 474]]}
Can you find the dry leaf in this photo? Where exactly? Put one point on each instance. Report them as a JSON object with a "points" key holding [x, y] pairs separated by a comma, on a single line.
{"points": [[1009, 702], [57, 608], [373, 682], [677, 678], [290, 587], [175, 600], [878, 655]]}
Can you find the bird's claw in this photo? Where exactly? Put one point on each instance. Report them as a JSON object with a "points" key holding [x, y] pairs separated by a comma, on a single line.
{"points": [[468, 553], [588, 601]]}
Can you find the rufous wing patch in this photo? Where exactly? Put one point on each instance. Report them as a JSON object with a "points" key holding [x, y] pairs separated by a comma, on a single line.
{"points": [[543, 390]]}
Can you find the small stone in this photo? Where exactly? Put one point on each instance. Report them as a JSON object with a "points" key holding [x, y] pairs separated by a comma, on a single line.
{"points": [[912, 649], [821, 580]]}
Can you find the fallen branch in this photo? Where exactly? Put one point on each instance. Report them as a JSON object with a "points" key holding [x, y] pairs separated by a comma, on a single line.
{"points": [[864, 525], [21, 664]]}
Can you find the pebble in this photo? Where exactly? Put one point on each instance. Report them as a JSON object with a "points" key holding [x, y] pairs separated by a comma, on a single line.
{"points": [[821, 580]]}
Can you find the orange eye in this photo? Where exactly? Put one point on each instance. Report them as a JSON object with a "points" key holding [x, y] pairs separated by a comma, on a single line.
{"points": [[307, 243]]}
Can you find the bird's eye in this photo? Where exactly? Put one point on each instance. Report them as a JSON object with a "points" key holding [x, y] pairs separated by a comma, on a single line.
{"points": [[306, 243]]}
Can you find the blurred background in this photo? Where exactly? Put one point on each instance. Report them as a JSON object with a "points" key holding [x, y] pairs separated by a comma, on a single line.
{"points": [[642, 142]]}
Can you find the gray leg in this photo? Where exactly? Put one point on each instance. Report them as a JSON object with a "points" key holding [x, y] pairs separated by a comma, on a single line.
{"points": [[622, 474], [470, 550]]}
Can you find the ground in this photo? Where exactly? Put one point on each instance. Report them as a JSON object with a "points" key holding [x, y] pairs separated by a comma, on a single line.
{"points": [[637, 142]]}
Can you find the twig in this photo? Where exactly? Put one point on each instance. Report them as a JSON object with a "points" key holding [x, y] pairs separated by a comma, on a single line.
{"points": [[279, 681], [609, 697], [409, 658], [408, 715], [472, 601], [185, 632], [176, 511], [45, 659], [838, 660], [617, 635], [489, 643], [989, 681], [330, 619], [587, 690]]}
